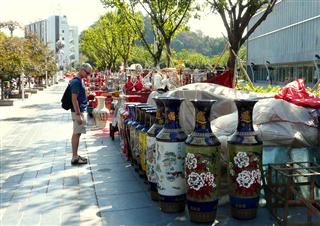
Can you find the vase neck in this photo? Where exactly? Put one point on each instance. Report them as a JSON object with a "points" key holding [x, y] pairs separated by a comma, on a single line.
{"points": [[131, 115], [202, 120], [101, 103], [245, 110], [172, 116]]}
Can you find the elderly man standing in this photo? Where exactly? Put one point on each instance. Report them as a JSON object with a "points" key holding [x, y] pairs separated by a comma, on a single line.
{"points": [[79, 105]]}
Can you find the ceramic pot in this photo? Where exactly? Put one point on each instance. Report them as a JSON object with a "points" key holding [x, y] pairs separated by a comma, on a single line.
{"points": [[136, 144], [202, 166], [170, 155], [245, 162], [151, 147], [127, 124], [142, 133], [101, 113]]}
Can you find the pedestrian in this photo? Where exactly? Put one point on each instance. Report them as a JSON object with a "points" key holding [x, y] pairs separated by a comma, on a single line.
{"points": [[79, 103]]}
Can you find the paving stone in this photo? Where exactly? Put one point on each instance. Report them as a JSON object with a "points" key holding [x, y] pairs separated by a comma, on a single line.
{"points": [[115, 188], [142, 216], [70, 219], [124, 201]]}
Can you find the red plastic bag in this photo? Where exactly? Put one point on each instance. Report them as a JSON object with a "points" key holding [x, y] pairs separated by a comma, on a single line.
{"points": [[296, 93]]}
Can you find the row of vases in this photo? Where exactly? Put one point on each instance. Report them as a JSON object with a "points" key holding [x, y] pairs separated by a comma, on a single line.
{"points": [[181, 168]]}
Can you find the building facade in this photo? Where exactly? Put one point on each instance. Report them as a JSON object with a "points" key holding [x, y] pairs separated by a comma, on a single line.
{"points": [[286, 45], [56, 29]]}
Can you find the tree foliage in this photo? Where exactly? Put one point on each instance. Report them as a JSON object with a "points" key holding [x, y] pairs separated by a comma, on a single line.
{"points": [[107, 40], [196, 41], [128, 9], [168, 18]]}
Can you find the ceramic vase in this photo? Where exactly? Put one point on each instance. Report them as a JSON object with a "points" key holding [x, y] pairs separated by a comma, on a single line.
{"points": [[202, 166], [132, 129], [127, 124], [245, 164], [128, 86], [170, 156], [149, 115], [137, 144], [142, 131], [151, 148], [101, 113]]}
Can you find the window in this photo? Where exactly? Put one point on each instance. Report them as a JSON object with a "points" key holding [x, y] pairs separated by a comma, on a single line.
{"points": [[62, 31]]}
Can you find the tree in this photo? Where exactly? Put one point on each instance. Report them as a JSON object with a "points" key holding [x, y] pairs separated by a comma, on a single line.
{"points": [[11, 25], [169, 17], [125, 37], [12, 58], [236, 16], [108, 39], [128, 9]]}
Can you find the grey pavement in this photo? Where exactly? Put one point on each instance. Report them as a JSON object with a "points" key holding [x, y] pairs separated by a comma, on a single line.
{"points": [[40, 187]]}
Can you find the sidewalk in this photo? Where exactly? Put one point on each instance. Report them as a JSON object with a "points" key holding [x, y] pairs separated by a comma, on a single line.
{"points": [[40, 187]]}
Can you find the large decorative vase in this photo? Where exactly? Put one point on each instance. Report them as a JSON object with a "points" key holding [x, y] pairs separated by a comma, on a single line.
{"points": [[101, 113], [149, 115], [137, 144], [128, 86], [127, 124], [128, 118], [132, 129], [245, 164], [143, 141], [170, 156], [151, 148], [202, 166]]}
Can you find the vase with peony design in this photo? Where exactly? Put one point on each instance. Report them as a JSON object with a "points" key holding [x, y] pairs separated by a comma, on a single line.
{"points": [[202, 166], [151, 147], [101, 113], [245, 164], [170, 155]]}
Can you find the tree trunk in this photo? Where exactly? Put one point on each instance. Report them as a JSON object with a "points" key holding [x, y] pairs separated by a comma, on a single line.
{"points": [[232, 61], [125, 62], [168, 53]]}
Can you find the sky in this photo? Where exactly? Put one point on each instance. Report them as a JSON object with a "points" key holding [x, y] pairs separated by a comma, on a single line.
{"points": [[83, 13]]}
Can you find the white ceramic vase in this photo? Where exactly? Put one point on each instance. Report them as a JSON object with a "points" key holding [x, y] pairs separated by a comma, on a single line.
{"points": [[101, 113]]}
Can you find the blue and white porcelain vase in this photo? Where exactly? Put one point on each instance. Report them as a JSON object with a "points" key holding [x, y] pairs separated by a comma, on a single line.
{"points": [[151, 147], [245, 164], [170, 156], [202, 166]]}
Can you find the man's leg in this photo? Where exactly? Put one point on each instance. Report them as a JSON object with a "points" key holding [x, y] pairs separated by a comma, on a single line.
{"points": [[75, 144]]}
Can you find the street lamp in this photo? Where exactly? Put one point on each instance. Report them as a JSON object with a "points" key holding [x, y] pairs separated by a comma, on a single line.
{"points": [[252, 66], [268, 71]]}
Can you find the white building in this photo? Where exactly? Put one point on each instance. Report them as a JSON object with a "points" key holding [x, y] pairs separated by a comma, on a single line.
{"points": [[55, 29], [289, 39]]}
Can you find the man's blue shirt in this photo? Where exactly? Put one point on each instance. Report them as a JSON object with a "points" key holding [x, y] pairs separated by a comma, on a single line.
{"points": [[77, 87]]}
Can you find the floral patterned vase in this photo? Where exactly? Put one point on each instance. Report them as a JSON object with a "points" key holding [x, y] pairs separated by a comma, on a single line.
{"points": [[143, 140], [133, 139], [151, 148], [101, 113], [137, 143], [245, 164], [127, 123], [170, 156], [202, 166]]}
